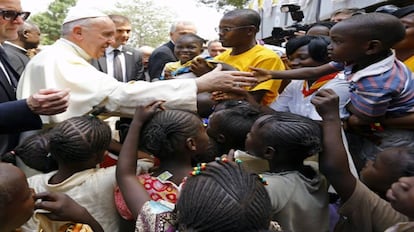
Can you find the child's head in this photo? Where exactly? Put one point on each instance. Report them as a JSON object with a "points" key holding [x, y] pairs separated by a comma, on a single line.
{"points": [[230, 123], [362, 36], [174, 134], [224, 197], [387, 168], [284, 137], [81, 139], [16, 198], [320, 28], [188, 46], [307, 51], [34, 152]]}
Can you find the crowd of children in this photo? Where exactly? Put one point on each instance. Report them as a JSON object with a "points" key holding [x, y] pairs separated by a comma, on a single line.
{"points": [[243, 165]]}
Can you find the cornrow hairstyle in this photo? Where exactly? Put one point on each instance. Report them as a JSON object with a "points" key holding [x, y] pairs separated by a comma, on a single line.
{"points": [[235, 119], [247, 17], [78, 138], [377, 26], [167, 131], [224, 198], [293, 134], [200, 41], [317, 46], [34, 152]]}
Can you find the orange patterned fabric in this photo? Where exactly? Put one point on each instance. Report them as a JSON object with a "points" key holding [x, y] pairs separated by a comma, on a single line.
{"points": [[317, 84], [167, 191]]}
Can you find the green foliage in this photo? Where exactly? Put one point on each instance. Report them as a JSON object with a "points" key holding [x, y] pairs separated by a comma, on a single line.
{"points": [[50, 22], [150, 23], [227, 4]]}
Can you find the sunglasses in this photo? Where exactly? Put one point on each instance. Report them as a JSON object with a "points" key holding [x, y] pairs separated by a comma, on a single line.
{"points": [[11, 15]]}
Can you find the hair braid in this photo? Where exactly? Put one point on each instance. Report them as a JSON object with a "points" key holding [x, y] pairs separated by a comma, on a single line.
{"points": [[224, 197], [293, 134], [34, 152], [167, 130], [77, 138]]}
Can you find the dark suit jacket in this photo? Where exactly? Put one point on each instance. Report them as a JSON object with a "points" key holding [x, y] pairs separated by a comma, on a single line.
{"points": [[133, 64], [7, 93], [159, 57], [17, 58], [15, 116]]}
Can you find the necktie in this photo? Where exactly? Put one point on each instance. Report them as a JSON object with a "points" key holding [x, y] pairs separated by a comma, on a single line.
{"points": [[117, 66]]}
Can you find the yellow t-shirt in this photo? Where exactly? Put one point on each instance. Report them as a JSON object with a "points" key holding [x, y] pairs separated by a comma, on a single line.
{"points": [[258, 57], [410, 63]]}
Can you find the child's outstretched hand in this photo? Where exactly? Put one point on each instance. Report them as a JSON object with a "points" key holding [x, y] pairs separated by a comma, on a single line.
{"points": [[326, 103], [261, 74], [143, 113], [61, 207]]}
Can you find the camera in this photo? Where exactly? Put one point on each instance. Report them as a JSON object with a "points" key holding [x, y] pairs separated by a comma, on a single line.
{"points": [[280, 34]]}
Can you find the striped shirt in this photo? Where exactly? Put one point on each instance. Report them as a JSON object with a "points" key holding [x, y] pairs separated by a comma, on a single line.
{"points": [[385, 88]]}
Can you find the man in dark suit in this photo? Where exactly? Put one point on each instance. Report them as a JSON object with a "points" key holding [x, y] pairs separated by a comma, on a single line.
{"points": [[165, 53], [18, 50], [9, 22], [129, 60]]}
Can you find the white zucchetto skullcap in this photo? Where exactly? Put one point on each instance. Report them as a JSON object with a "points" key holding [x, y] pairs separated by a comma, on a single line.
{"points": [[76, 13]]}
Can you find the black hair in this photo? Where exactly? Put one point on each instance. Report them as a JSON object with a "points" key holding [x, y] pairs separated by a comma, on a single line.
{"points": [[194, 37], [317, 46], [167, 131], [377, 26], [77, 139], [224, 197], [326, 24], [292, 134], [235, 120], [247, 17], [34, 152]]}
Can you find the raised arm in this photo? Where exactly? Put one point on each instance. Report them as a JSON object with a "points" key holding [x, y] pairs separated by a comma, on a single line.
{"points": [[306, 73], [133, 192], [333, 161]]}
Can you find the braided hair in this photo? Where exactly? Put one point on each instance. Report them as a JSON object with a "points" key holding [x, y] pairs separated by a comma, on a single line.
{"points": [[78, 138], [292, 134], [167, 131], [224, 197], [235, 120], [34, 152]]}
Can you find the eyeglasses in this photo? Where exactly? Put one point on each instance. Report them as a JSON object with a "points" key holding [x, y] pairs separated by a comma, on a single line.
{"points": [[228, 29], [11, 15]]}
